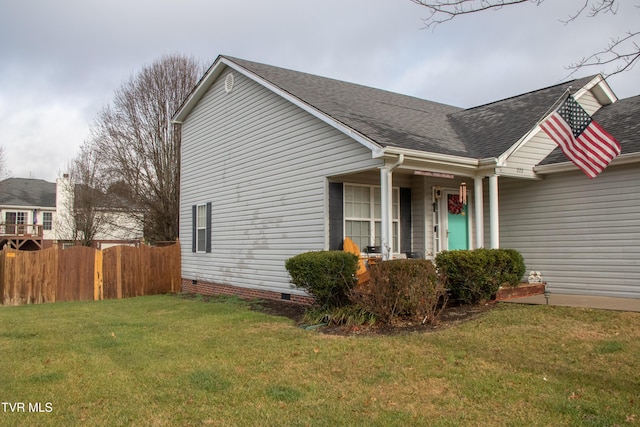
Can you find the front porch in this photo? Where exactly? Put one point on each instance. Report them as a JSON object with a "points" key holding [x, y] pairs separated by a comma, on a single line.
{"points": [[415, 208]]}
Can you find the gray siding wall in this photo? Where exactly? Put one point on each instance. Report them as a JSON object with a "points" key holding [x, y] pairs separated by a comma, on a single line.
{"points": [[583, 235], [263, 162]]}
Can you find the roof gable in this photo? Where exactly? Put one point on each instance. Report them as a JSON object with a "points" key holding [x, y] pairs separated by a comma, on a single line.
{"points": [[490, 130], [621, 119], [27, 192]]}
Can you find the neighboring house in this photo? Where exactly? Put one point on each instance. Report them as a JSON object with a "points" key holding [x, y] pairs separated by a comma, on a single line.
{"points": [[277, 162], [34, 214], [27, 212], [113, 221]]}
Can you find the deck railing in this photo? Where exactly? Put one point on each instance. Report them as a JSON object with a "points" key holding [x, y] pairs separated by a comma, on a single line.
{"points": [[8, 230]]}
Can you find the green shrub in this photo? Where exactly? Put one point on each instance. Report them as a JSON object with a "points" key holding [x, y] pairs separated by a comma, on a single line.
{"points": [[475, 276], [326, 275], [348, 315], [404, 288]]}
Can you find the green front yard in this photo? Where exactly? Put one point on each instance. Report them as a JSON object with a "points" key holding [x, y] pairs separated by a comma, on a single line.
{"points": [[170, 361]]}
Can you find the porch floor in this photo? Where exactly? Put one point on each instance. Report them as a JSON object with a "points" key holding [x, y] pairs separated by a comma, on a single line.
{"points": [[605, 303]]}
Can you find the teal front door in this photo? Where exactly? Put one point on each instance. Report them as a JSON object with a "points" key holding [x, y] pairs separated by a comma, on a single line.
{"points": [[457, 224]]}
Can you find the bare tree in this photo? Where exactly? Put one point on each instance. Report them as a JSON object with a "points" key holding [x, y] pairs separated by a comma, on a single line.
{"points": [[3, 167], [622, 52], [139, 146], [80, 216]]}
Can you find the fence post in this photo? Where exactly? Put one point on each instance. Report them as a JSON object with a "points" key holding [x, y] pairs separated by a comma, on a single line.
{"points": [[56, 272], [2, 276], [98, 292], [119, 272], [10, 287]]}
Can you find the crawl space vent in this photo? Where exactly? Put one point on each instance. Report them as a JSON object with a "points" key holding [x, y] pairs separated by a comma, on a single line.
{"points": [[228, 83]]}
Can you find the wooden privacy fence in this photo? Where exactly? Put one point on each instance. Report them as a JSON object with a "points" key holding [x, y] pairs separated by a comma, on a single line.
{"points": [[83, 274]]}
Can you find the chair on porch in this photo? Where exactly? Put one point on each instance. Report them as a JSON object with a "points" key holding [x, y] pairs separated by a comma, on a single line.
{"points": [[362, 274]]}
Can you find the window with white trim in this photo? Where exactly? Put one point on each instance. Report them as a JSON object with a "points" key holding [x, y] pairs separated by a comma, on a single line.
{"points": [[47, 220], [201, 228], [15, 222], [363, 216]]}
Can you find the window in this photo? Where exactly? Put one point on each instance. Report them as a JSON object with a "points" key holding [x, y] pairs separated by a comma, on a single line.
{"points": [[201, 227], [15, 218], [47, 220], [363, 216]]}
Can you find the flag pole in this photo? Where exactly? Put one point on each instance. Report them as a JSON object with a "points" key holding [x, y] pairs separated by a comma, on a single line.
{"points": [[582, 140], [553, 107]]}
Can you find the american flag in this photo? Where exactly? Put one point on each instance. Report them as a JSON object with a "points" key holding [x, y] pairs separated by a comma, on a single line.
{"points": [[582, 139]]}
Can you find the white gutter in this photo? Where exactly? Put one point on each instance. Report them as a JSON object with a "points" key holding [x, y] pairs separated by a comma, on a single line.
{"points": [[397, 163], [445, 159], [489, 162], [623, 159], [27, 208]]}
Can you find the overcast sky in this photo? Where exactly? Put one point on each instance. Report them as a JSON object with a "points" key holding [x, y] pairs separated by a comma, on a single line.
{"points": [[61, 61]]}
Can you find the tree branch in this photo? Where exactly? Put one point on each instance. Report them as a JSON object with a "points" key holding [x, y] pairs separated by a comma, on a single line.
{"points": [[625, 51], [445, 10], [603, 6]]}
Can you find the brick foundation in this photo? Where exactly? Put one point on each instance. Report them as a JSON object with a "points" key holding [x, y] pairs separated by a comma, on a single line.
{"points": [[207, 288], [522, 290]]}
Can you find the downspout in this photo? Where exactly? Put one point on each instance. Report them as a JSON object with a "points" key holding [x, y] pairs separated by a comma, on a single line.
{"points": [[397, 163], [386, 202]]}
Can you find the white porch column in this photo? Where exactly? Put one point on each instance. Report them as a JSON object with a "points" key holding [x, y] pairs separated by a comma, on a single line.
{"points": [[386, 197], [479, 210], [494, 212]]}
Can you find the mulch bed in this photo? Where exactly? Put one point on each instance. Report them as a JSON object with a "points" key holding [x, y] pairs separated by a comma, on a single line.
{"points": [[452, 315]]}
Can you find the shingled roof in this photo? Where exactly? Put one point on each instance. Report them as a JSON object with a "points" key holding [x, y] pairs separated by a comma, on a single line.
{"points": [[621, 119], [27, 193], [489, 130], [393, 120], [388, 119]]}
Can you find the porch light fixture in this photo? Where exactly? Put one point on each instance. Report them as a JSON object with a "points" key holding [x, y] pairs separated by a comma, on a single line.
{"points": [[463, 193]]}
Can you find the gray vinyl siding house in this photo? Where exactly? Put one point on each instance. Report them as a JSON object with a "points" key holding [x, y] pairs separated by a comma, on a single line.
{"points": [[277, 162], [264, 169]]}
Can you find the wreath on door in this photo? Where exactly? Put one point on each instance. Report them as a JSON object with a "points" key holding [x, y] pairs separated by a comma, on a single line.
{"points": [[455, 206]]}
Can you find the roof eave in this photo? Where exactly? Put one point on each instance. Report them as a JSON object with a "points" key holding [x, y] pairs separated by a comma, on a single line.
{"points": [[425, 155], [200, 89], [29, 207], [600, 90], [435, 162], [623, 159]]}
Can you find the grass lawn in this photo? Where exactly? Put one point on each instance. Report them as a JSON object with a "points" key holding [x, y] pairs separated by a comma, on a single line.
{"points": [[164, 360]]}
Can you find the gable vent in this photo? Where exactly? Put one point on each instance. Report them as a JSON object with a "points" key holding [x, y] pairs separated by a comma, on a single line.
{"points": [[228, 83]]}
